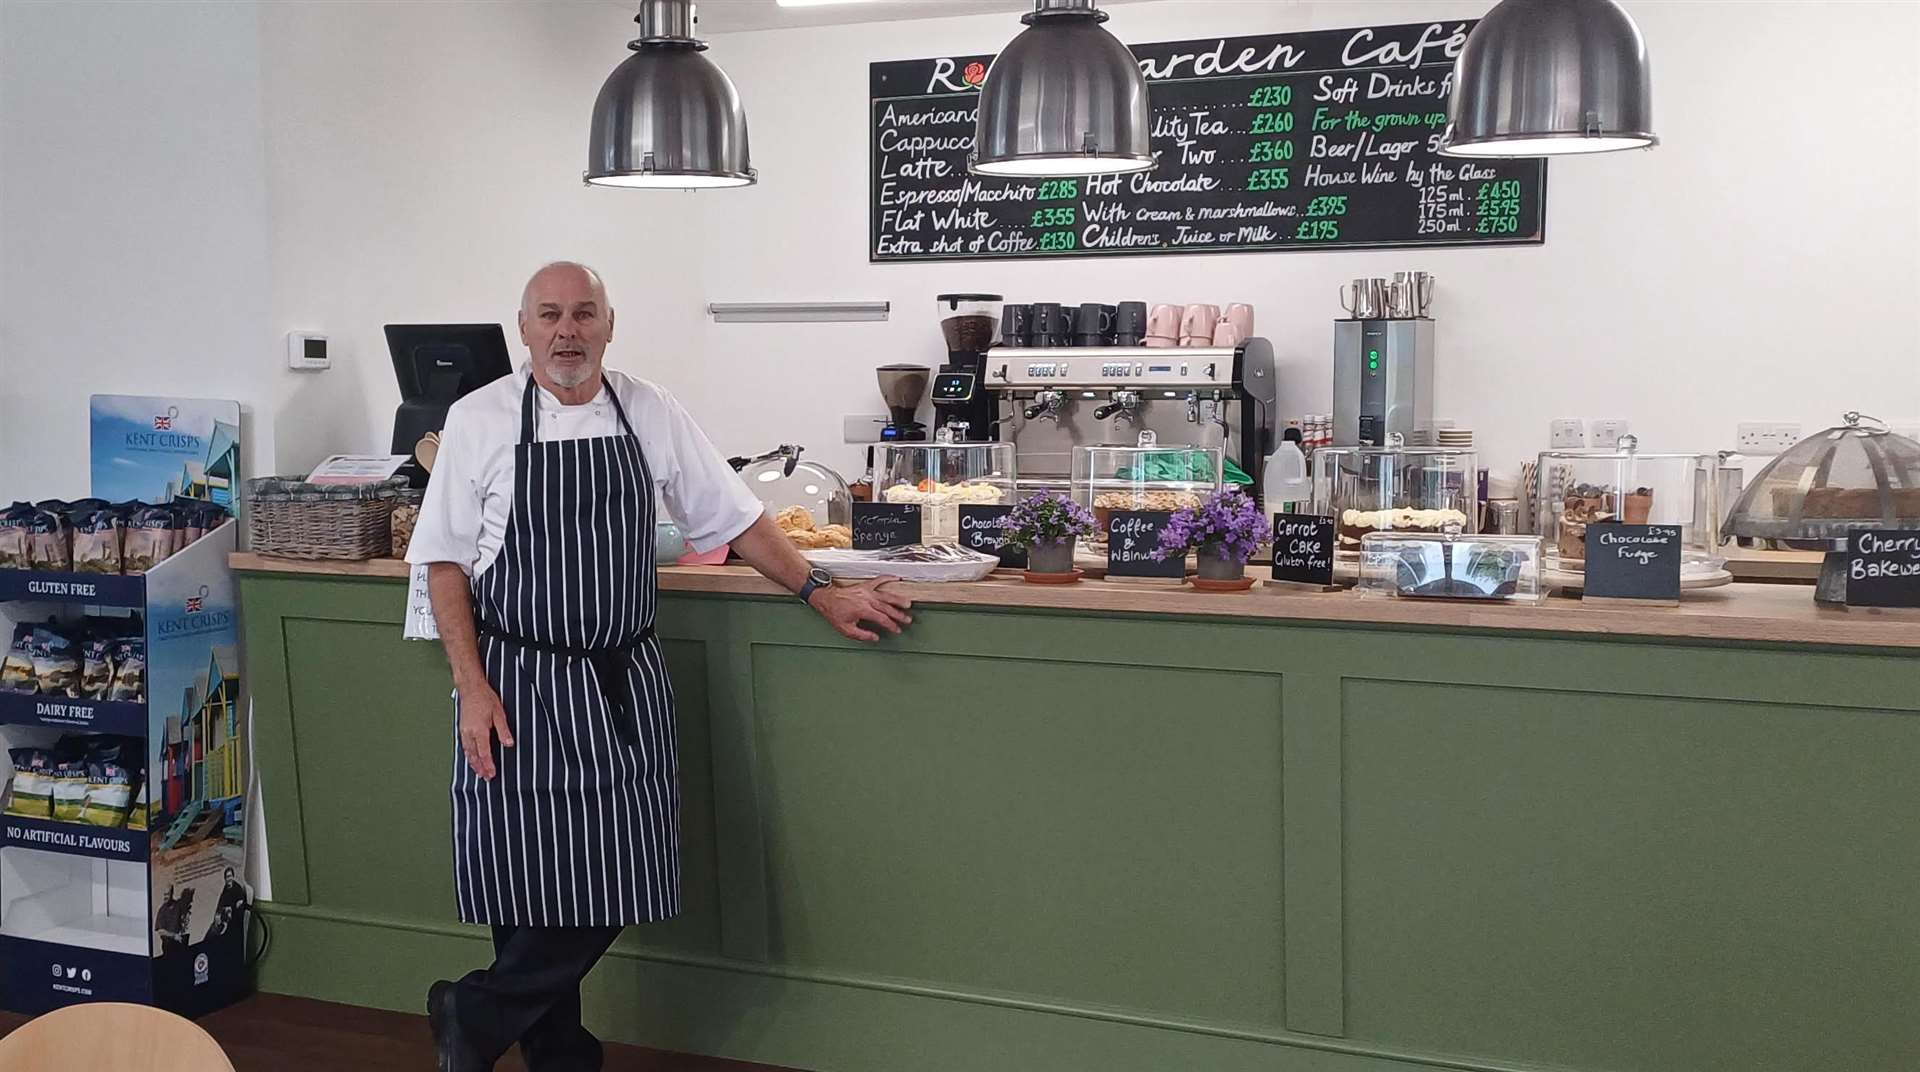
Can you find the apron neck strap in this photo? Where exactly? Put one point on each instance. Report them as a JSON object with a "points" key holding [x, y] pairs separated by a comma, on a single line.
{"points": [[529, 411]]}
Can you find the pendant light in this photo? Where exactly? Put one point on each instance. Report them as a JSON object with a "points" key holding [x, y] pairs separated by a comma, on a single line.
{"points": [[667, 117], [1065, 97], [1544, 77]]}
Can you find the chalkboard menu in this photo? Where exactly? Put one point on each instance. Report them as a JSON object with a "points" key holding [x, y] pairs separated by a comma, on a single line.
{"points": [[878, 525], [1320, 140], [984, 529], [1883, 569], [1633, 562], [1303, 548], [1132, 536]]}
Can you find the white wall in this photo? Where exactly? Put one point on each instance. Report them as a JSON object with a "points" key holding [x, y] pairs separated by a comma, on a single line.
{"points": [[1760, 264], [133, 222], [424, 159]]}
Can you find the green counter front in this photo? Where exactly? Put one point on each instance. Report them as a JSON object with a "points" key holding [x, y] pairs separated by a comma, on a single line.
{"points": [[1093, 837]]}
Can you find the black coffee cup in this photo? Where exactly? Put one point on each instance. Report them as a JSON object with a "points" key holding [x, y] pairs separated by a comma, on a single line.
{"points": [[1092, 324], [1049, 326], [1130, 323], [1016, 325]]}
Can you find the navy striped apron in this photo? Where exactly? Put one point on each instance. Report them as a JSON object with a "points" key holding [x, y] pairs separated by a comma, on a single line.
{"points": [[581, 825]]}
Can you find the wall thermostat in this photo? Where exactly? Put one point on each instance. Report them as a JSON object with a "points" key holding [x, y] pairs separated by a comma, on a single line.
{"points": [[307, 352]]}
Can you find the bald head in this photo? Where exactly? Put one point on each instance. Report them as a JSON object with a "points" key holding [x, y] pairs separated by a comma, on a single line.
{"points": [[563, 273], [566, 322]]}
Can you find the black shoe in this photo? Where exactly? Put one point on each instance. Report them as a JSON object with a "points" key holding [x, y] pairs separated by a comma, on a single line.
{"points": [[453, 1052]]}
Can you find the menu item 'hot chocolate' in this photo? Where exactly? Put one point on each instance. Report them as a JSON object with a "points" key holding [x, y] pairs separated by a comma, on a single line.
{"points": [[1356, 524]]}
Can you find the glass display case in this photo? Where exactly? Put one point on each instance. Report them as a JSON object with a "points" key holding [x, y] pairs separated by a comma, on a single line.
{"points": [[1146, 476], [1580, 488], [1396, 489], [1829, 485], [809, 501], [1502, 569], [942, 477]]}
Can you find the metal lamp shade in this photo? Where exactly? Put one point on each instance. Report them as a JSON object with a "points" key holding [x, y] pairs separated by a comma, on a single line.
{"points": [[1064, 98], [668, 118], [1545, 77]]}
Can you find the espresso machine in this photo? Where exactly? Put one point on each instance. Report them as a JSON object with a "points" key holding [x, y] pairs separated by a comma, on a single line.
{"points": [[961, 403], [1383, 361], [1050, 400]]}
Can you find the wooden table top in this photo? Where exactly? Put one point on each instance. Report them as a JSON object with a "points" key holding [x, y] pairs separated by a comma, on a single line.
{"points": [[1771, 613]]}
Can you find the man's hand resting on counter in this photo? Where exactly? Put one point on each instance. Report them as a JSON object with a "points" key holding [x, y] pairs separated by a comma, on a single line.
{"points": [[849, 607]]}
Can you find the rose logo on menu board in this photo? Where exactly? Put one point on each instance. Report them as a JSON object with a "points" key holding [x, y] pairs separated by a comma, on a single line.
{"points": [[975, 73]]}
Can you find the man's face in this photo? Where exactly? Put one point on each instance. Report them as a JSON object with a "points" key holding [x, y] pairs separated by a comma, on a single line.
{"points": [[566, 324]]}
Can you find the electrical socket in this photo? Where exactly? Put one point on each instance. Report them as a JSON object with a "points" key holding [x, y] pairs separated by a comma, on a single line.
{"points": [[862, 427], [1567, 433], [1765, 437], [1607, 433]]}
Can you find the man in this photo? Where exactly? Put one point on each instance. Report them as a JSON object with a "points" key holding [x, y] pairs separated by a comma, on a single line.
{"points": [[538, 533]]}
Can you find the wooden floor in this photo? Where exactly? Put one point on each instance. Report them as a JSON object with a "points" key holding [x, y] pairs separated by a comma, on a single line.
{"points": [[269, 1033]]}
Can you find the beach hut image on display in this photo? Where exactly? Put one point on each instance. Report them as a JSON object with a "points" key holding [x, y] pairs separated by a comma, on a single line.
{"points": [[201, 786]]}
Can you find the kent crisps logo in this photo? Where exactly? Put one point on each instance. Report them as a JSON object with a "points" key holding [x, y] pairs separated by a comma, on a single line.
{"points": [[196, 618], [163, 434]]}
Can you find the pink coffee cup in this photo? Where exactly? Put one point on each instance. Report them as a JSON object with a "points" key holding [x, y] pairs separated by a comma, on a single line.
{"points": [[1163, 326], [1197, 323], [1240, 314], [1226, 334]]}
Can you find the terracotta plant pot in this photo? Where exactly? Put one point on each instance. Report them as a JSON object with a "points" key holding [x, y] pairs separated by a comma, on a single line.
{"points": [[1215, 566], [1051, 557]]}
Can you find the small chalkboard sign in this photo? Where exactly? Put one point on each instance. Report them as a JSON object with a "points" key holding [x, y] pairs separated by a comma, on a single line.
{"points": [[1303, 548], [880, 525], [984, 529], [1883, 568], [1633, 562], [1132, 536]]}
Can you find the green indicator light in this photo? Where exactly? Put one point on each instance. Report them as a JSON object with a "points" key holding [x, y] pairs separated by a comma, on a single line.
{"points": [[1373, 359]]}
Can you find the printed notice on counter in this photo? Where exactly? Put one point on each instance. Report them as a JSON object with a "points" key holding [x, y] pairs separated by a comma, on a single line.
{"points": [[1132, 536], [1640, 562], [1883, 568], [1303, 548], [877, 526], [984, 529]]}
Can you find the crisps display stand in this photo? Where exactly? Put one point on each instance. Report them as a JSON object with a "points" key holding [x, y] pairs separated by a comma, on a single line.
{"points": [[153, 911], [148, 905]]}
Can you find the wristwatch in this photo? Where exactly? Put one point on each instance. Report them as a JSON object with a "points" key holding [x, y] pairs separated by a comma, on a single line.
{"points": [[817, 579]]}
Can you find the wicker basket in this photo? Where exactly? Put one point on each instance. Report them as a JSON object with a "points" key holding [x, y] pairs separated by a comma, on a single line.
{"points": [[290, 518], [406, 513]]}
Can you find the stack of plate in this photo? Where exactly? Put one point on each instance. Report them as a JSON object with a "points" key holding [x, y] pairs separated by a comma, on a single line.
{"points": [[1455, 438]]}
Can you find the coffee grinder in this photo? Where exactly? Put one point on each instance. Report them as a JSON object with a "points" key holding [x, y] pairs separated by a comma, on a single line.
{"points": [[1383, 361], [902, 387], [961, 402]]}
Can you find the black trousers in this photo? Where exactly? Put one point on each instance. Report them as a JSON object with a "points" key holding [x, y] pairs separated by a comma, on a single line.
{"points": [[531, 995]]}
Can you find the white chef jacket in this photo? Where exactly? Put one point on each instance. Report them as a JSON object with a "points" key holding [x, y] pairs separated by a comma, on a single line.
{"points": [[464, 517]]}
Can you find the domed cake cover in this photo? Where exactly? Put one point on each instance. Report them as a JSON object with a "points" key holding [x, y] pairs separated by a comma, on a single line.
{"points": [[1846, 478]]}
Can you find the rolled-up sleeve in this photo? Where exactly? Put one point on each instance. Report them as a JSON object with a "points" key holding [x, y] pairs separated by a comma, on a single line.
{"points": [[448, 529], [702, 492]]}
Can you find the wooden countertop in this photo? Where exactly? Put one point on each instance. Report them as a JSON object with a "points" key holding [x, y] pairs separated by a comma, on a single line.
{"points": [[1743, 612]]}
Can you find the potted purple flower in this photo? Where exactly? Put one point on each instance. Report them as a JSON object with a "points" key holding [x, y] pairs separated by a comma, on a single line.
{"points": [[1225, 531], [1047, 526]]}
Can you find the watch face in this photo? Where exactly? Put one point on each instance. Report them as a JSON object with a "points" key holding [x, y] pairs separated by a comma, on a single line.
{"points": [[819, 576]]}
